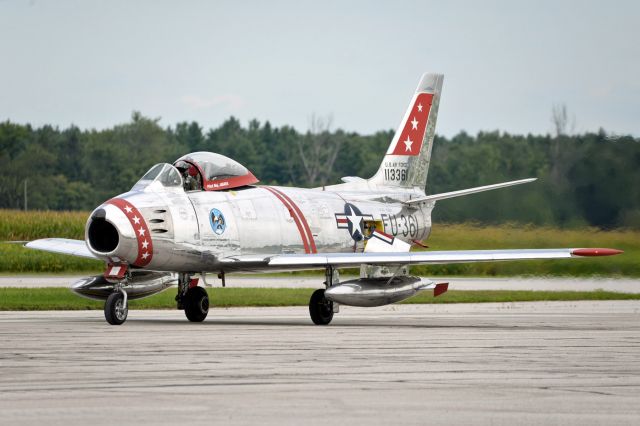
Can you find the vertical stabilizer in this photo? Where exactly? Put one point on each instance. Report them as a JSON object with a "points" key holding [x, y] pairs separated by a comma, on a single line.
{"points": [[407, 160]]}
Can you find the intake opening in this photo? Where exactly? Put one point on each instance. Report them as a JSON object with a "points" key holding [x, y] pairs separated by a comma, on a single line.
{"points": [[103, 236]]}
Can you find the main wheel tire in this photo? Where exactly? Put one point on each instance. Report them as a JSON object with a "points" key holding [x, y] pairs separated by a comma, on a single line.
{"points": [[196, 304], [115, 311], [320, 308]]}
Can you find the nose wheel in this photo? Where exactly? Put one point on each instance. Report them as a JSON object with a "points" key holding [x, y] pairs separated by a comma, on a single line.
{"points": [[115, 308]]}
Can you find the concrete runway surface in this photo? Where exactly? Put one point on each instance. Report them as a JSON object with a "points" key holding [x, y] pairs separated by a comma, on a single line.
{"points": [[555, 363]]}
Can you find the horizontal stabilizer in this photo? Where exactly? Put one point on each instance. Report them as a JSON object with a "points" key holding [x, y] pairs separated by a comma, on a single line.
{"points": [[348, 179], [462, 192]]}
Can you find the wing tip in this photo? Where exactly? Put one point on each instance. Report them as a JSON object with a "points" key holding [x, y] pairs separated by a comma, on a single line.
{"points": [[592, 252]]}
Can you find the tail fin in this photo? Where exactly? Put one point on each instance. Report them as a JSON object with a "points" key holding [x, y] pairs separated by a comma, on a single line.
{"points": [[407, 160]]}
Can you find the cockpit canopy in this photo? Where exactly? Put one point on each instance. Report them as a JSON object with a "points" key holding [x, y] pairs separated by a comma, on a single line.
{"points": [[213, 172], [160, 177]]}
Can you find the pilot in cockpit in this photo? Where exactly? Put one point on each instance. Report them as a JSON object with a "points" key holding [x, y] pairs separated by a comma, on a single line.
{"points": [[192, 179]]}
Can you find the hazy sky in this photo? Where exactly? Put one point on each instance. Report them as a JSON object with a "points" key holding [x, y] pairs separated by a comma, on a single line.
{"points": [[92, 63]]}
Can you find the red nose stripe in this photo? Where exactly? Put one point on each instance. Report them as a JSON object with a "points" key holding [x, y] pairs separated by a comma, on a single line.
{"points": [[595, 252], [143, 236]]}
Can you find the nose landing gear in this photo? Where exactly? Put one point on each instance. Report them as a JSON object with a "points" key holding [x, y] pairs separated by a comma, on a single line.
{"points": [[115, 308]]}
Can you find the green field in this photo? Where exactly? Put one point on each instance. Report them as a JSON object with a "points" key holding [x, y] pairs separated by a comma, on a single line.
{"points": [[17, 225], [473, 237], [33, 299]]}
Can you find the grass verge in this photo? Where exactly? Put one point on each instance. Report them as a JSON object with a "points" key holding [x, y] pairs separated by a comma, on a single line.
{"points": [[44, 299]]}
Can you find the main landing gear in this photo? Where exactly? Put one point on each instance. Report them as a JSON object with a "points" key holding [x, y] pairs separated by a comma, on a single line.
{"points": [[193, 299], [196, 304], [322, 309]]}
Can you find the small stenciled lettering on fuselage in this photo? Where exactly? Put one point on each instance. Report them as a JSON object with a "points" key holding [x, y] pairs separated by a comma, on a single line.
{"points": [[405, 225], [217, 185], [217, 221]]}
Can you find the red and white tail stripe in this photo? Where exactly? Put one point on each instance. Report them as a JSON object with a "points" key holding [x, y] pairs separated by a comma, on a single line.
{"points": [[406, 163], [411, 136], [301, 222]]}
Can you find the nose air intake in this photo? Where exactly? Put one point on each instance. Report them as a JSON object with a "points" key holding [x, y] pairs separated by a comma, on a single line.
{"points": [[117, 232], [103, 236]]}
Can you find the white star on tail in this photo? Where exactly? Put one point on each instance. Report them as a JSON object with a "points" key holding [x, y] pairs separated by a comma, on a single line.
{"points": [[141, 231], [128, 209], [414, 124], [145, 255], [419, 107], [145, 244], [136, 220], [408, 144]]}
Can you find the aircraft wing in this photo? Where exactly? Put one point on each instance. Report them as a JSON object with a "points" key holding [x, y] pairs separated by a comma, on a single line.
{"points": [[432, 257], [62, 246]]}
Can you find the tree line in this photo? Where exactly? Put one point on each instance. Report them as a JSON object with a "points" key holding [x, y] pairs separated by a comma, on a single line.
{"points": [[583, 179]]}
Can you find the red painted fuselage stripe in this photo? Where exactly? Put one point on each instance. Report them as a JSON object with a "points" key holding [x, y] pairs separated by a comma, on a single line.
{"points": [[312, 243], [143, 236], [294, 216]]}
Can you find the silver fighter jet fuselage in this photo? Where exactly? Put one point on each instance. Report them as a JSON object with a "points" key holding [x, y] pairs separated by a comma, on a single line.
{"points": [[211, 231]]}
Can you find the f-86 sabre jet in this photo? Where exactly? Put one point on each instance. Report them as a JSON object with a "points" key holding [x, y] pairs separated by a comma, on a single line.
{"points": [[206, 213]]}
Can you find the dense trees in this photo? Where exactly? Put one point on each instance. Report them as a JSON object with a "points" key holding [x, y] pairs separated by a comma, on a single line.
{"points": [[589, 179]]}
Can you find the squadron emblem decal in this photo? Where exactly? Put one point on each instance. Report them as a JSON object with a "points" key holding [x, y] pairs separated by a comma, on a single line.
{"points": [[352, 219], [216, 219]]}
